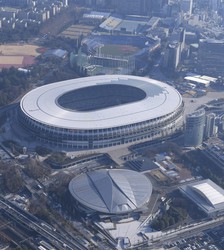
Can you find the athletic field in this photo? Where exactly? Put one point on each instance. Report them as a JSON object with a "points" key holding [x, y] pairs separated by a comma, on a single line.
{"points": [[118, 50], [17, 55]]}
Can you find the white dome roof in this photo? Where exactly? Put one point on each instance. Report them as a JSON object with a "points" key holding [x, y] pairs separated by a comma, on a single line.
{"points": [[111, 191]]}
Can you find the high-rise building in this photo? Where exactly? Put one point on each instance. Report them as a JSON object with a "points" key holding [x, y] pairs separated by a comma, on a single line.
{"points": [[186, 6], [222, 123], [179, 35], [172, 54], [132, 7], [210, 125], [194, 129], [214, 4], [211, 56], [157, 6]]}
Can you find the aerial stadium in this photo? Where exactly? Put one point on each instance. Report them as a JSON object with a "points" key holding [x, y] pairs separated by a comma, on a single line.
{"points": [[113, 191], [101, 111]]}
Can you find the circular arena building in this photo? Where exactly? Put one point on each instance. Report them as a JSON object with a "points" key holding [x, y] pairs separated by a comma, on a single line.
{"points": [[102, 111], [114, 191]]}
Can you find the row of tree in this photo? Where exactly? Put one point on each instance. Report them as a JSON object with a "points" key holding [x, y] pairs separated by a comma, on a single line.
{"points": [[19, 34], [55, 42], [36, 169], [12, 84], [14, 147], [205, 166], [12, 177], [170, 217]]}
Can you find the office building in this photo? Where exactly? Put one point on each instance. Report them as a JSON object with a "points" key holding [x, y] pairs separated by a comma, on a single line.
{"points": [[186, 6], [211, 57], [194, 129], [210, 127]]}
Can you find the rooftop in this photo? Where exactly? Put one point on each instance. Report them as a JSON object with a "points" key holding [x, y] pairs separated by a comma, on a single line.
{"points": [[206, 194], [111, 191], [160, 99], [210, 193]]}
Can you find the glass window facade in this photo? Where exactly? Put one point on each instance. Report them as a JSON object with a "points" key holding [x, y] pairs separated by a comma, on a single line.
{"points": [[107, 137]]}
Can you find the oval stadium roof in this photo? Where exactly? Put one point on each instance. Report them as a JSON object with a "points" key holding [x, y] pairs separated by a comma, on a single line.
{"points": [[41, 104], [113, 191]]}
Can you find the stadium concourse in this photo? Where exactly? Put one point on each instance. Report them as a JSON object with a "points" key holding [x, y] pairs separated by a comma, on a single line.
{"points": [[102, 111]]}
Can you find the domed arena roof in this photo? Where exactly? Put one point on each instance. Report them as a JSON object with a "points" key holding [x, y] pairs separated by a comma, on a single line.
{"points": [[113, 191]]}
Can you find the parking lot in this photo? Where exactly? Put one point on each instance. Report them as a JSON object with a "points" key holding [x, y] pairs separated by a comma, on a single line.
{"points": [[203, 241]]}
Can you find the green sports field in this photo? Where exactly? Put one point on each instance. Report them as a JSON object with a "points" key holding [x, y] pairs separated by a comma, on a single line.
{"points": [[118, 50]]}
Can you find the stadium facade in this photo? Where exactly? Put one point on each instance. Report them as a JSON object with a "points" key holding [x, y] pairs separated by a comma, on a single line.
{"points": [[110, 191], [118, 53], [102, 111]]}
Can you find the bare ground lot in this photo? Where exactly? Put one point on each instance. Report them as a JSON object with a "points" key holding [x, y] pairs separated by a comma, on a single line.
{"points": [[17, 55], [11, 60], [18, 50]]}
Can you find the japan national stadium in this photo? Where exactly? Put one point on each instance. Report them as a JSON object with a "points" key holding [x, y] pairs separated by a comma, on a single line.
{"points": [[102, 111]]}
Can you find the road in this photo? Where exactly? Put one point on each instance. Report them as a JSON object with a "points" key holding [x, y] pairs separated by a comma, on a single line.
{"points": [[190, 106], [197, 102]]}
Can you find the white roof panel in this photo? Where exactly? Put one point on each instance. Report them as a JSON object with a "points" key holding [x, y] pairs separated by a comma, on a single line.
{"points": [[110, 23], [209, 78], [196, 79], [41, 104], [212, 194]]}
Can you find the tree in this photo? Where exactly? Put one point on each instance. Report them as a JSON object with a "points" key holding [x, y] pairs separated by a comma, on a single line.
{"points": [[36, 169], [12, 84], [42, 151], [171, 221], [13, 179]]}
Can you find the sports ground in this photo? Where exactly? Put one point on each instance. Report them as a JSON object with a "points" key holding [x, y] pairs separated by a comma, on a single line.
{"points": [[17, 55], [118, 50]]}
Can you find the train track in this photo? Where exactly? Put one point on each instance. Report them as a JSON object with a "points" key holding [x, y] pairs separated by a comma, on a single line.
{"points": [[60, 240]]}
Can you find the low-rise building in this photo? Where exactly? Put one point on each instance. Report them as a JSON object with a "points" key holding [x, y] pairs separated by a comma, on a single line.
{"points": [[207, 195]]}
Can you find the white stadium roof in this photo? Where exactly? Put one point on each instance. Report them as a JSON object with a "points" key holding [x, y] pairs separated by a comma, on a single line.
{"points": [[41, 103], [111, 191], [206, 194], [210, 193]]}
